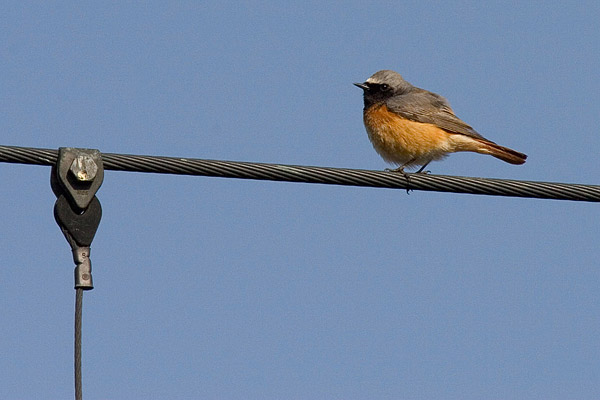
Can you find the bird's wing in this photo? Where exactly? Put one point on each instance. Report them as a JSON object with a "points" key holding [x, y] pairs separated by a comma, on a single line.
{"points": [[423, 106]]}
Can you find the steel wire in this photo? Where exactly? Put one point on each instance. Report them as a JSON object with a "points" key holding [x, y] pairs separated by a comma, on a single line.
{"points": [[321, 175]]}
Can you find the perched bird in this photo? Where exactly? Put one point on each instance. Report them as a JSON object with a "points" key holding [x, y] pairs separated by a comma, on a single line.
{"points": [[411, 127]]}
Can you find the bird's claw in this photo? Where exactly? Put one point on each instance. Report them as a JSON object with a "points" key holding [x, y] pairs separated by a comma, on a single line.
{"points": [[401, 171]]}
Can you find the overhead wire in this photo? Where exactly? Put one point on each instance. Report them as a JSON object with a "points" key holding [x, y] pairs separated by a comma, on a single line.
{"points": [[321, 175]]}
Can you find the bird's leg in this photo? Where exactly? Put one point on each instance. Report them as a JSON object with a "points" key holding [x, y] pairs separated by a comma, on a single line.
{"points": [[400, 169], [423, 167]]}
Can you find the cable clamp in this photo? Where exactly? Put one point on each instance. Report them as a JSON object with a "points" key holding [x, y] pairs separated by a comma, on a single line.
{"points": [[75, 179]]}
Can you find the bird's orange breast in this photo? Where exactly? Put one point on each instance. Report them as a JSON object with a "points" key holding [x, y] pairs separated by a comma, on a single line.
{"points": [[399, 140]]}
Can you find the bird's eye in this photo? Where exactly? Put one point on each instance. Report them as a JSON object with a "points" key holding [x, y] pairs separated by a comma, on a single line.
{"points": [[384, 87]]}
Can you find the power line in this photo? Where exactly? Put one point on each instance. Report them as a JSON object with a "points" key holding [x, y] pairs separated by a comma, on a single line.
{"points": [[322, 175]]}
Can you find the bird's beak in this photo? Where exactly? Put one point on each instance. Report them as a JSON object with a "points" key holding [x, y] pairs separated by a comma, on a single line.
{"points": [[363, 86]]}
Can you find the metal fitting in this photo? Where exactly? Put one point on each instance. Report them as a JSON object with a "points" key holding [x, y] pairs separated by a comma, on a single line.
{"points": [[84, 168], [83, 268]]}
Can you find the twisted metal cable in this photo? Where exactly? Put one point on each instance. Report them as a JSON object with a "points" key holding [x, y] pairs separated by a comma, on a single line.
{"points": [[77, 352], [323, 175]]}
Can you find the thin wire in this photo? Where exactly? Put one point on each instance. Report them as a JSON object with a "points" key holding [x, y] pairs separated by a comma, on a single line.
{"points": [[78, 309], [322, 175]]}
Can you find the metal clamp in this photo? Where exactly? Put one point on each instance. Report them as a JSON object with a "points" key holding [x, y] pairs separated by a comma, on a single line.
{"points": [[75, 180]]}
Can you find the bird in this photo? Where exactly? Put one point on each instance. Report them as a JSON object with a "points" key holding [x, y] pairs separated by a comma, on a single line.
{"points": [[410, 127]]}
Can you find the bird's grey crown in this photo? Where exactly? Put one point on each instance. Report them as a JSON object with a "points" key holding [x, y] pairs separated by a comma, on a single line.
{"points": [[389, 77]]}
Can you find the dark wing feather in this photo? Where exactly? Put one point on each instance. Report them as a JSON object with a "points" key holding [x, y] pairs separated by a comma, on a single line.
{"points": [[423, 106]]}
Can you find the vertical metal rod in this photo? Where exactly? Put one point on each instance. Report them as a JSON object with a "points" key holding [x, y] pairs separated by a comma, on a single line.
{"points": [[78, 308]]}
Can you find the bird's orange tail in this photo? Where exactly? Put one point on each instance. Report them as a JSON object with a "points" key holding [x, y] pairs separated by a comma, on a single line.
{"points": [[503, 153]]}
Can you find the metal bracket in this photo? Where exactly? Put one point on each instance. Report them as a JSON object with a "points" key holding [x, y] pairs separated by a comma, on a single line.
{"points": [[80, 173], [75, 179]]}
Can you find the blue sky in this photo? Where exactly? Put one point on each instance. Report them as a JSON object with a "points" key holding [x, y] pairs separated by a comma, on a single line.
{"points": [[231, 289]]}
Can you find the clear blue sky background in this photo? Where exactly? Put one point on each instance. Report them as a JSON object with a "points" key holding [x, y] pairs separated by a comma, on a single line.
{"points": [[230, 289]]}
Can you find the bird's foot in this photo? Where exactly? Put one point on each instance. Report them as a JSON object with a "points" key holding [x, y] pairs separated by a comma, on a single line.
{"points": [[406, 176]]}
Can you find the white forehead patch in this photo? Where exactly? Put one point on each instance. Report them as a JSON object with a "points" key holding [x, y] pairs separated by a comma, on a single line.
{"points": [[373, 80]]}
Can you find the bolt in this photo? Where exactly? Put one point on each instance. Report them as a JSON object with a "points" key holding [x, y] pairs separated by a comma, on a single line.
{"points": [[84, 168]]}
